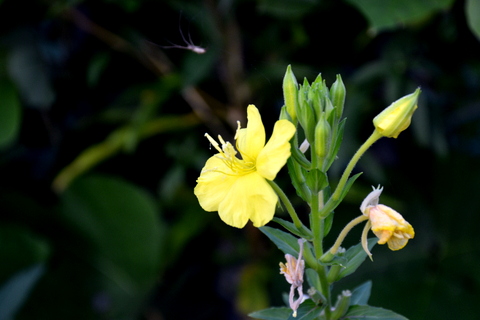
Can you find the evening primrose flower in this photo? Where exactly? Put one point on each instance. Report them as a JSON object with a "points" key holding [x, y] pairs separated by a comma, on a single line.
{"points": [[387, 224], [397, 117], [293, 270], [237, 187]]}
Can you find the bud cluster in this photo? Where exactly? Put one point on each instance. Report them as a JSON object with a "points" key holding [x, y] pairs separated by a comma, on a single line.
{"points": [[318, 110]]}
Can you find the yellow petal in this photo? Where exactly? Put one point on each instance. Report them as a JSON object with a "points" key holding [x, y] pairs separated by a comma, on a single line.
{"points": [[396, 243], [251, 140], [250, 197], [213, 184], [277, 150]]}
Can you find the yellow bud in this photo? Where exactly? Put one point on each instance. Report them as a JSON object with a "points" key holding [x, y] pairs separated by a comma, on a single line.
{"points": [[397, 117]]}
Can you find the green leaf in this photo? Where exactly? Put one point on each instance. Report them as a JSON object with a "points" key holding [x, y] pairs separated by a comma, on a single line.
{"points": [[348, 185], [303, 233], [472, 12], [10, 114], [15, 291], [289, 9], [355, 256], [279, 313], [371, 313], [297, 175], [361, 294], [313, 279], [390, 14], [21, 248], [118, 224], [308, 310], [328, 224], [316, 180], [284, 241]]}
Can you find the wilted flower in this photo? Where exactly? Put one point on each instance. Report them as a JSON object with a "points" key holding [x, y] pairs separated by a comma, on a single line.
{"points": [[293, 271], [387, 224], [237, 187]]}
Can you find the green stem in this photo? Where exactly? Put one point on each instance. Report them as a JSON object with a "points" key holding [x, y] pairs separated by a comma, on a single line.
{"points": [[331, 203], [288, 205], [322, 274], [317, 223], [345, 231]]}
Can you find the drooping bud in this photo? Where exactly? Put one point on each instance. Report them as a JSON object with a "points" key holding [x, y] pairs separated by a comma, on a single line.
{"points": [[290, 88], [397, 117]]}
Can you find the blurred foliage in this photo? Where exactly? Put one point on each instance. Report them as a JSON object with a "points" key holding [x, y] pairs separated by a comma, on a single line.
{"points": [[101, 140]]}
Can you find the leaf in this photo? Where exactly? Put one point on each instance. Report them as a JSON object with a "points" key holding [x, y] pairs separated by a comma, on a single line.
{"points": [[278, 313], [290, 9], [472, 12], [303, 233], [361, 294], [355, 256], [10, 114], [15, 291], [316, 180], [284, 241], [313, 279], [120, 223], [371, 313], [390, 14], [308, 310]]}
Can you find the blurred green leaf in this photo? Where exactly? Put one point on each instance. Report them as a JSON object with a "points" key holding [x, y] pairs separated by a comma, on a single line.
{"points": [[390, 14], [252, 291], [280, 313], [120, 223], [96, 67], [472, 12], [10, 114], [15, 291], [29, 71], [371, 313], [361, 294], [21, 249], [289, 9]]}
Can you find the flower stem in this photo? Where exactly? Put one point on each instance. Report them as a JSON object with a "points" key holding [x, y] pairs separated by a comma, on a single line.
{"points": [[288, 205], [331, 203], [345, 231]]}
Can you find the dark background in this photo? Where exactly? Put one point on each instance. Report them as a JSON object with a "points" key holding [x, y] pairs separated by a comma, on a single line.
{"points": [[101, 140]]}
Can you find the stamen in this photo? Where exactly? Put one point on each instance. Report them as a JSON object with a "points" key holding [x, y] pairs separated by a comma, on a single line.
{"points": [[213, 143]]}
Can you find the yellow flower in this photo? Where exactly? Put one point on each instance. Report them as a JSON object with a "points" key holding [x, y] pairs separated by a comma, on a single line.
{"points": [[397, 117], [237, 187], [387, 224]]}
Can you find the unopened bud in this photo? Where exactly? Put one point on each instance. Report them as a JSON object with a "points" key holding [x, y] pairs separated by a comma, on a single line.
{"points": [[322, 137], [337, 94], [397, 117], [342, 305], [290, 88]]}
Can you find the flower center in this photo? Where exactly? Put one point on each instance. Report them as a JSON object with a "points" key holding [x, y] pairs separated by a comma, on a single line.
{"points": [[228, 154]]}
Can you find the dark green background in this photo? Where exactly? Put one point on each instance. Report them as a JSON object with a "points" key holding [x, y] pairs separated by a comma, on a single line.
{"points": [[101, 140]]}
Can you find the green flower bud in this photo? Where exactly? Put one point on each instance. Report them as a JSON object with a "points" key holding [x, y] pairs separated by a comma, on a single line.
{"points": [[342, 305], [322, 137], [290, 89], [337, 93], [397, 117]]}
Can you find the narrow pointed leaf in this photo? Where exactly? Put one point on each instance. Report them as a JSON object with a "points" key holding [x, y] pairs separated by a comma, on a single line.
{"points": [[371, 313]]}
